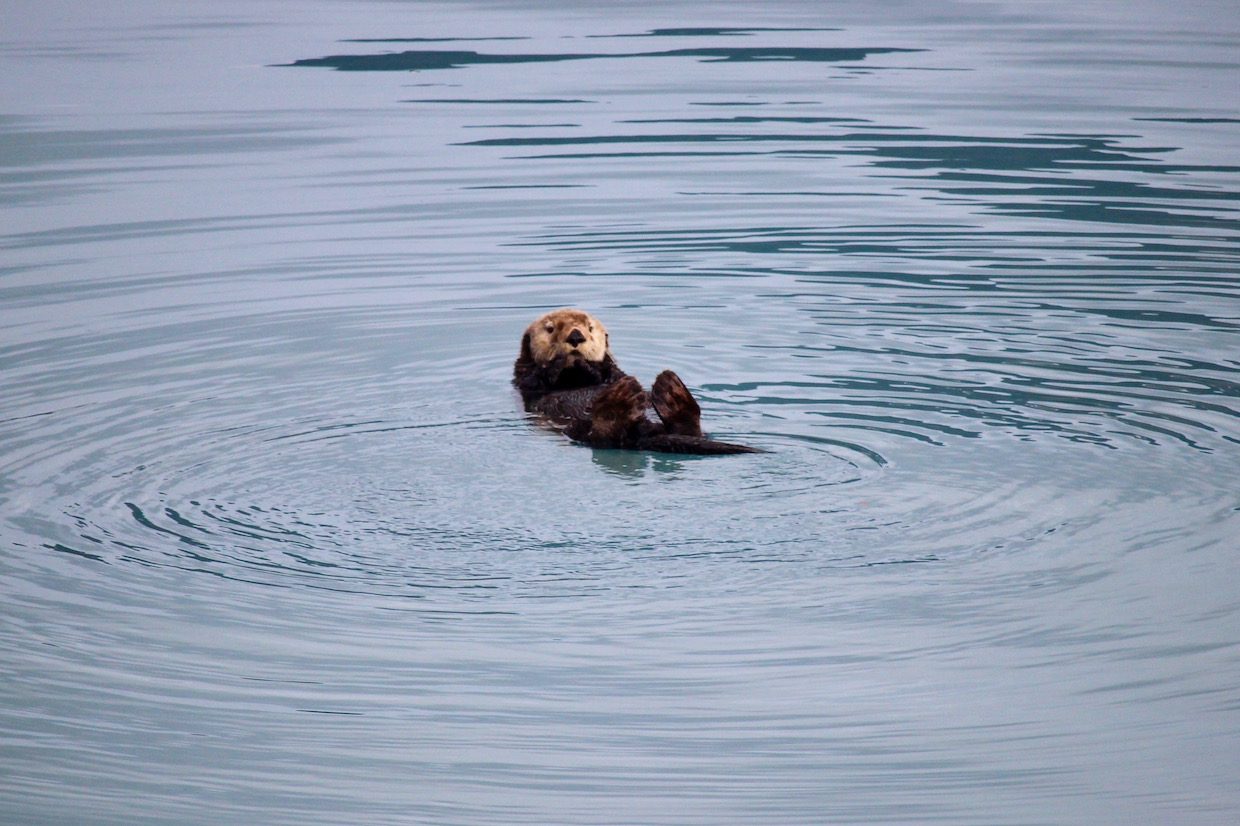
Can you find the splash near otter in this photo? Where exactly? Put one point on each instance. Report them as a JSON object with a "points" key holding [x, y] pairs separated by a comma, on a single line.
{"points": [[567, 374]]}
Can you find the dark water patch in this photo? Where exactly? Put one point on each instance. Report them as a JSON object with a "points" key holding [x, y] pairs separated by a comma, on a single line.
{"points": [[750, 118], [65, 549], [1036, 186], [27, 148], [62, 184], [529, 186], [790, 193], [68, 52], [649, 154], [417, 61], [1118, 213], [132, 230], [521, 126], [982, 153], [427, 39], [702, 31], [596, 140], [501, 101], [1189, 120], [918, 151]]}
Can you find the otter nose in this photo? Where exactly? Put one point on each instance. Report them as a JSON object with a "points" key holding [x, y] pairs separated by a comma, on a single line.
{"points": [[575, 338]]}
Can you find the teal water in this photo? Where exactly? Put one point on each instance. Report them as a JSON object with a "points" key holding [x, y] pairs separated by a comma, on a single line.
{"points": [[277, 544]]}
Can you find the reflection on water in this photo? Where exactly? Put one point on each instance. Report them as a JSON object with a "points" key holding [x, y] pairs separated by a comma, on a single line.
{"points": [[279, 544]]}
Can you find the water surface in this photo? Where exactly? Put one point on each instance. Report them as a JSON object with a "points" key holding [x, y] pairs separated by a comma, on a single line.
{"points": [[278, 546]]}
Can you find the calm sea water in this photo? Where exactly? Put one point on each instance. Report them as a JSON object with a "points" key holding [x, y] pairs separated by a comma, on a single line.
{"points": [[277, 545]]}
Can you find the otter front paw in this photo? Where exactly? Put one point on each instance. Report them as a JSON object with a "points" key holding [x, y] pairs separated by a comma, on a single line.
{"points": [[617, 412], [676, 406], [552, 369]]}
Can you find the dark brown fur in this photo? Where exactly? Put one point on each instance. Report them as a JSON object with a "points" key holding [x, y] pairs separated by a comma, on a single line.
{"points": [[566, 373]]}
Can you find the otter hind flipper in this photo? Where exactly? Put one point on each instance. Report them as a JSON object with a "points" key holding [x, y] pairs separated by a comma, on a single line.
{"points": [[676, 406]]}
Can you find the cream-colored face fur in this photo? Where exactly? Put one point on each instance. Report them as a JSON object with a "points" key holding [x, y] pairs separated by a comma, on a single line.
{"points": [[554, 335]]}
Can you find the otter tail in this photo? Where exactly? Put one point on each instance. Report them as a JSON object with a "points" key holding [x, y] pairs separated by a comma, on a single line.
{"points": [[692, 445]]}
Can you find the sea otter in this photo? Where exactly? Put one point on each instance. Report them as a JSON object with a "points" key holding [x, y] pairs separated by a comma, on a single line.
{"points": [[566, 373]]}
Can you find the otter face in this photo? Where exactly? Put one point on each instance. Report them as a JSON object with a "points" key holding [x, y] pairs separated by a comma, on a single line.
{"points": [[572, 334]]}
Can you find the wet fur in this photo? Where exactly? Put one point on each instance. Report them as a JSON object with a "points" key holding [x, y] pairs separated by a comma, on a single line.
{"points": [[566, 373]]}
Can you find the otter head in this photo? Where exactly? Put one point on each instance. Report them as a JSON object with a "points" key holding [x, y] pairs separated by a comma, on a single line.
{"points": [[574, 335]]}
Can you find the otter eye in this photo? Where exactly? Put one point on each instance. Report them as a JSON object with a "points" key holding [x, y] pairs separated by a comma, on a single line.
{"points": [[591, 328]]}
